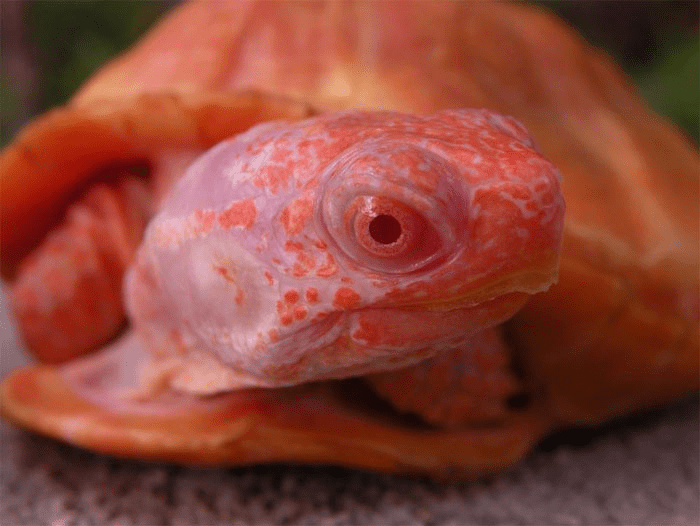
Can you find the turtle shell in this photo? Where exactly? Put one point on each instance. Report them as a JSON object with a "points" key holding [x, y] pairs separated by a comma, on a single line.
{"points": [[618, 333]]}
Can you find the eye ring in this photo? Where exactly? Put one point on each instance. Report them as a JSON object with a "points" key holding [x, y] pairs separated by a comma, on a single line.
{"points": [[385, 227], [392, 207]]}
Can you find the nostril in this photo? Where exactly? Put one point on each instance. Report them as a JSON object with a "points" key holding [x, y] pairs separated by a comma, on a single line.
{"points": [[385, 229]]}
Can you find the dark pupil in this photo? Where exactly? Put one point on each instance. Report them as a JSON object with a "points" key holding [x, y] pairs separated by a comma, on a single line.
{"points": [[385, 229]]}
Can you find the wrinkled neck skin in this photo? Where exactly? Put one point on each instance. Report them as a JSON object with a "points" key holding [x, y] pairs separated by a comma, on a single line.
{"points": [[344, 245]]}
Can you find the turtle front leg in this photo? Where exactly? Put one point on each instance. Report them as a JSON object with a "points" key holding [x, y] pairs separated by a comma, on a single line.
{"points": [[469, 385], [67, 294]]}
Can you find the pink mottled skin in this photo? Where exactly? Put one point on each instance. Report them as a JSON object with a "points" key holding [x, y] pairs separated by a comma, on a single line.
{"points": [[354, 243]]}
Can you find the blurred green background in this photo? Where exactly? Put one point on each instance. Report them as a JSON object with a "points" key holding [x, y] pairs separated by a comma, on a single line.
{"points": [[50, 47]]}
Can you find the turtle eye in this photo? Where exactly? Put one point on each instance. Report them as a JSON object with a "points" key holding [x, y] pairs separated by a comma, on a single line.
{"points": [[388, 234], [393, 208]]}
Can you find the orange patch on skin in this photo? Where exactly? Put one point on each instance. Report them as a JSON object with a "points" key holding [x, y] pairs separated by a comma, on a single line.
{"points": [[295, 216], [300, 313], [345, 298], [328, 268], [287, 310], [239, 297], [205, 220], [302, 268], [273, 177], [239, 214], [293, 246], [312, 295], [291, 296], [228, 276], [305, 262], [270, 279], [274, 335], [223, 272]]}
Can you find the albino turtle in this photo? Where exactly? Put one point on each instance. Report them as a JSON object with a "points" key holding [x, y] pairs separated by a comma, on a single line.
{"points": [[346, 286]]}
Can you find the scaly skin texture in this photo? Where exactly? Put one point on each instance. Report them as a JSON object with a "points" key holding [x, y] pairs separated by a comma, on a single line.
{"points": [[67, 297]]}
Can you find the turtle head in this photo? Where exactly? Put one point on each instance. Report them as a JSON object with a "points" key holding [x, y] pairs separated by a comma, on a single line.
{"points": [[343, 245]]}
